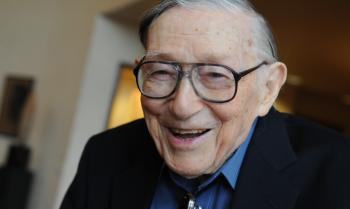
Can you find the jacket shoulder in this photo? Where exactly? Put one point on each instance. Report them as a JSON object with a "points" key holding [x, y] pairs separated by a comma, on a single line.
{"points": [[121, 146], [133, 130], [323, 162], [106, 156], [308, 134]]}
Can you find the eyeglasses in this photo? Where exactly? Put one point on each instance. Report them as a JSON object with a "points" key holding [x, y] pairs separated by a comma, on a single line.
{"points": [[212, 82]]}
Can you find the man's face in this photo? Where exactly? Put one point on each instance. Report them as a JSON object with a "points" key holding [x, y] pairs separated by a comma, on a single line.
{"points": [[194, 136]]}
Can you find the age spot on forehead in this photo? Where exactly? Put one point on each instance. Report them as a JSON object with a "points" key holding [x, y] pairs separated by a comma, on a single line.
{"points": [[250, 42]]}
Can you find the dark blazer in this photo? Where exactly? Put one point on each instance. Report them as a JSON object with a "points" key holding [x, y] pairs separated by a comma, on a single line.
{"points": [[290, 164]]}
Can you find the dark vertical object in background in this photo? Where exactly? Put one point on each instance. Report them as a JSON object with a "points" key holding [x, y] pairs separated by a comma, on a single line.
{"points": [[16, 92], [15, 179], [15, 120]]}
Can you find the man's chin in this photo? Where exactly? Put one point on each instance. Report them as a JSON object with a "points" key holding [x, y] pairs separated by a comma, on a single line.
{"points": [[189, 171]]}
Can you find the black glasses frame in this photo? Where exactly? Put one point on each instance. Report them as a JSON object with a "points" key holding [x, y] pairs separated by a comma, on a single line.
{"points": [[178, 67]]}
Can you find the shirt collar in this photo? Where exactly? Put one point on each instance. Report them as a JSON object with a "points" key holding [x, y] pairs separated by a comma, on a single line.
{"points": [[229, 170], [233, 165]]}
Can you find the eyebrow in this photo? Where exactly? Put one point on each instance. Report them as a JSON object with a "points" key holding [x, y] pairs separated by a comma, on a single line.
{"points": [[159, 55]]}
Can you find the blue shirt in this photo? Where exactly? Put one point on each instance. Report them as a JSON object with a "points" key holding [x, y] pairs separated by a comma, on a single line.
{"points": [[215, 192]]}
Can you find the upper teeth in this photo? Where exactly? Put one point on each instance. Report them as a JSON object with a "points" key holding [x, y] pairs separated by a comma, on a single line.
{"points": [[181, 131]]}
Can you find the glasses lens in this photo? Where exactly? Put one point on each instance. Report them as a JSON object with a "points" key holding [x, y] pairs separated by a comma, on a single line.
{"points": [[214, 83], [156, 79]]}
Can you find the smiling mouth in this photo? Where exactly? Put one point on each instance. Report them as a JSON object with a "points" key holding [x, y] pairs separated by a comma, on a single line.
{"points": [[188, 134]]}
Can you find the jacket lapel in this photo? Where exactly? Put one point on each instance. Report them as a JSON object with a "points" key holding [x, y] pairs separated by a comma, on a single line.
{"points": [[135, 193], [263, 180], [135, 187]]}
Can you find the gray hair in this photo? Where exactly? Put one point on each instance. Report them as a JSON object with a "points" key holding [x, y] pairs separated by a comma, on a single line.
{"points": [[266, 45]]}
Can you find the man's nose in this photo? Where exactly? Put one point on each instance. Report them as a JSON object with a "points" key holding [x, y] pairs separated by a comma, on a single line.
{"points": [[185, 102]]}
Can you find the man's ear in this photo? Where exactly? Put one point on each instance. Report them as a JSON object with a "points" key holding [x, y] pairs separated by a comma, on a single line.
{"points": [[271, 86]]}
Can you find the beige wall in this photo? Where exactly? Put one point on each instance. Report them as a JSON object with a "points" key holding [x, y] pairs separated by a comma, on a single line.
{"points": [[48, 40], [113, 43]]}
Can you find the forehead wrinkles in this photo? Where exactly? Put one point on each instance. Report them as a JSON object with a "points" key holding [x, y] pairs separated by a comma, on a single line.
{"points": [[229, 31]]}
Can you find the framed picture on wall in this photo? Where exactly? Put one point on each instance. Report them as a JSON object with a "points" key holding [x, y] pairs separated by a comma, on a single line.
{"points": [[125, 103], [16, 91]]}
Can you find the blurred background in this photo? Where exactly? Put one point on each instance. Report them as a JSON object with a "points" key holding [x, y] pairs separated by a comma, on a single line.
{"points": [[65, 74]]}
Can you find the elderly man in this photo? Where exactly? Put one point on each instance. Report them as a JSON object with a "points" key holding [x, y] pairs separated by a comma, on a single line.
{"points": [[211, 138]]}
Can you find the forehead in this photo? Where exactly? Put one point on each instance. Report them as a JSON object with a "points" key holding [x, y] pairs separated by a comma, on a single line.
{"points": [[199, 33]]}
